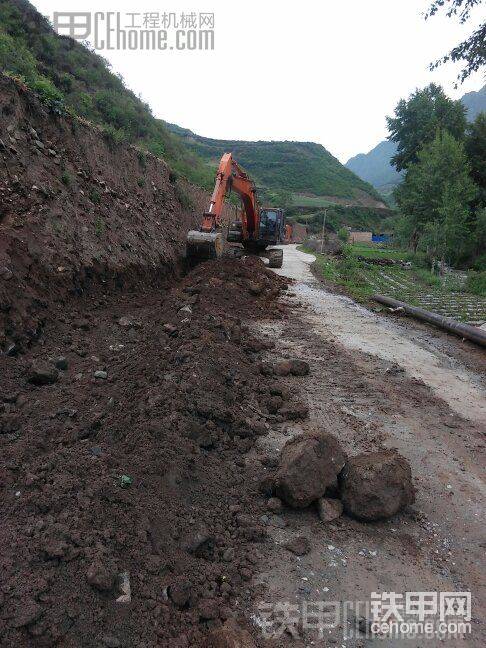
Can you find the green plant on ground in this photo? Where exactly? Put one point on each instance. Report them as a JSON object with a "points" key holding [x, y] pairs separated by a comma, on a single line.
{"points": [[182, 196], [141, 182], [343, 234], [99, 226], [66, 178], [94, 196], [476, 283]]}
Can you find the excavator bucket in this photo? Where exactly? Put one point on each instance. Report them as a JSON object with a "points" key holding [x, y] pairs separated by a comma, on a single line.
{"points": [[201, 246]]}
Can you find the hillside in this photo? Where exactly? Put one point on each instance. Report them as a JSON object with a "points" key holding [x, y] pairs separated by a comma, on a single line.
{"points": [[374, 167], [71, 77], [305, 169]]}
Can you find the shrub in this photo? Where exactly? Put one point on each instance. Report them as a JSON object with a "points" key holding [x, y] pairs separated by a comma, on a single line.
{"points": [[141, 182], [94, 196], [66, 179], [343, 234], [476, 283]]}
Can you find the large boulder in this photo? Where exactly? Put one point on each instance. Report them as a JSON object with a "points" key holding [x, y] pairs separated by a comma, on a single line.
{"points": [[376, 485], [308, 465]]}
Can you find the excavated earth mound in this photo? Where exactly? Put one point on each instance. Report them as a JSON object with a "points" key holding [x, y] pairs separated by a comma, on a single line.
{"points": [[130, 460]]}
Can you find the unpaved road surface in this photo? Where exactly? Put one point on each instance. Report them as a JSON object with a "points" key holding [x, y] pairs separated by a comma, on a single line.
{"points": [[378, 383]]}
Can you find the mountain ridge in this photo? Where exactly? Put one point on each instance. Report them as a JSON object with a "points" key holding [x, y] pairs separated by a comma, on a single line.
{"points": [[374, 166]]}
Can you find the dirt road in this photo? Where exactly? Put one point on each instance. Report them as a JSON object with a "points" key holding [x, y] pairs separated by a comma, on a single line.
{"points": [[380, 383]]}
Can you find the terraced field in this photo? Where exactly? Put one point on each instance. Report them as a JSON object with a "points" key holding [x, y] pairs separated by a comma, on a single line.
{"points": [[446, 296]]}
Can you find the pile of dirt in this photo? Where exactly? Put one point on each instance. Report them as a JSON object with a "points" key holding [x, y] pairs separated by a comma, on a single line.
{"points": [[127, 466], [77, 208]]}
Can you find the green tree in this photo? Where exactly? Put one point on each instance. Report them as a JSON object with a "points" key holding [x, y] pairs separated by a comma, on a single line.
{"points": [[476, 152], [417, 120], [435, 196]]}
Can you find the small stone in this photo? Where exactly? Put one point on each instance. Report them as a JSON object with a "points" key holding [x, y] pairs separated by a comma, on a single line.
{"points": [[229, 554], [265, 368], [111, 641], [282, 368], [299, 367], [61, 363], [101, 375], [5, 273], [277, 521], [43, 375], [180, 593], [170, 329], [300, 545], [329, 509], [129, 322]]}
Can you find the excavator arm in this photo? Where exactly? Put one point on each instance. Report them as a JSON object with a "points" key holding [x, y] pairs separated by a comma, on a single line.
{"points": [[207, 241]]}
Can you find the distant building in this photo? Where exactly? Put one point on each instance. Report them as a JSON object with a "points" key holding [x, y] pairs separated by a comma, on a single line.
{"points": [[360, 237]]}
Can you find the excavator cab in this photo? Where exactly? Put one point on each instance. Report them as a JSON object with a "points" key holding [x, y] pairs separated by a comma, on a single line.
{"points": [[272, 226], [256, 228]]}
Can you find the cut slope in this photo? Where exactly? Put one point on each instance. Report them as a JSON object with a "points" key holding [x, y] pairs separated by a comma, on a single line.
{"points": [[75, 207]]}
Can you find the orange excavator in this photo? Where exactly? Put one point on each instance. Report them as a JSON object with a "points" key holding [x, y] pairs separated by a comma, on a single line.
{"points": [[256, 228]]}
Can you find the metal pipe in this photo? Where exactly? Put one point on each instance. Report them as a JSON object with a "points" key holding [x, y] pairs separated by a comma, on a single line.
{"points": [[463, 330]]}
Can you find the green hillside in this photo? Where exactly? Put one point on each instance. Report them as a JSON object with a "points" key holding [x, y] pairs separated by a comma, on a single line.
{"points": [[296, 167], [70, 77]]}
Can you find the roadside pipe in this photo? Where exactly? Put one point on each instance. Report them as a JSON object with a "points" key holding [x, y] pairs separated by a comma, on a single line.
{"points": [[446, 323]]}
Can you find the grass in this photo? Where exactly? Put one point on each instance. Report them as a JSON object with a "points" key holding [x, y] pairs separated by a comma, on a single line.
{"points": [[299, 200], [459, 295]]}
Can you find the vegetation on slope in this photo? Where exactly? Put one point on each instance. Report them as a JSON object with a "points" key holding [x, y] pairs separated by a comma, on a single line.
{"points": [[68, 75], [283, 167]]}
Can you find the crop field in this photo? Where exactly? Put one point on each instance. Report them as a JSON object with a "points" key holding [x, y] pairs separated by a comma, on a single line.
{"points": [[414, 285]]}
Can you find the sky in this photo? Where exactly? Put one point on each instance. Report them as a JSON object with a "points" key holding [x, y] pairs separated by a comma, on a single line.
{"points": [[313, 70]]}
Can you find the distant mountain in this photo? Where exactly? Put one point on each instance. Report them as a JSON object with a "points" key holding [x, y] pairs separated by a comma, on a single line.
{"points": [[305, 170], [475, 103], [374, 167]]}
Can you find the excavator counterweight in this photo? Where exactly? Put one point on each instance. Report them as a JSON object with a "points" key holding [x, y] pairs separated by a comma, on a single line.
{"points": [[255, 229]]}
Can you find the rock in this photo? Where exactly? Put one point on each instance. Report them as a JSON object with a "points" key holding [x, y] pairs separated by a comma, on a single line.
{"points": [[329, 509], [277, 521], [170, 329], [43, 375], [308, 465], [111, 641], [197, 540], [299, 367], [5, 273], [282, 368], [376, 485], [61, 363], [255, 288], [230, 635], [101, 375], [274, 504], [229, 554], [55, 549], [124, 587], [100, 576], [12, 350], [300, 545], [180, 593], [129, 322], [294, 411], [265, 368]]}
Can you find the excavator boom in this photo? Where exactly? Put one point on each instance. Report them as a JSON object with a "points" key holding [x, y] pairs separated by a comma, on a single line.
{"points": [[207, 242]]}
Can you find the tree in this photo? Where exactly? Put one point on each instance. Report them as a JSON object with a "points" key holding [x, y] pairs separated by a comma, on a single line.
{"points": [[476, 152], [417, 120], [472, 50], [434, 198]]}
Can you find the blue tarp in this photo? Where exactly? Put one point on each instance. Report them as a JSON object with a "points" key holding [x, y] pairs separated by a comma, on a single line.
{"points": [[380, 238]]}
